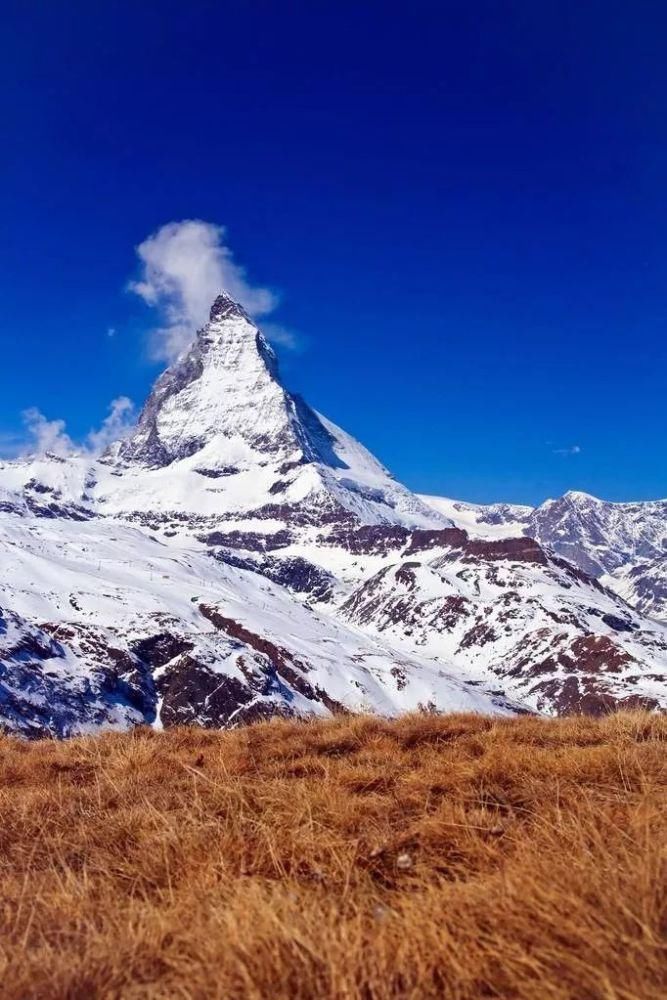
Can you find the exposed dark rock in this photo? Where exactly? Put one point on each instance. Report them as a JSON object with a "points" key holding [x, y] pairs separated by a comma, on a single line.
{"points": [[251, 541], [53, 509], [192, 693], [479, 635], [317, 512], [368, 539], [525, 550], [506, 549], [157, 650], [450, 613], [424, 540], [598, 654], [619, 624], [292, 572], [226, 470], [405, 574], [279, 486]]}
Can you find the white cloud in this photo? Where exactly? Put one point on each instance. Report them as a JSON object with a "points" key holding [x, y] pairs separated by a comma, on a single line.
{"points": [[573, 449], [184, 265], [43, 435], [46, 435]]}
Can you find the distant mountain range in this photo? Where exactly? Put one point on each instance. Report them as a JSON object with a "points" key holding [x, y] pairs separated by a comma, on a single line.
{"points": [[239, 556], [624, 545]]}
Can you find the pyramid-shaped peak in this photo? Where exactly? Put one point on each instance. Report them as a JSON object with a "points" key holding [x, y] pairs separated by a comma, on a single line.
{"points": [[225, 307], [224, 387]]}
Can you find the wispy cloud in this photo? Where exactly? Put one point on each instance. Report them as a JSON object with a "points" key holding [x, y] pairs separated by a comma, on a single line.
{"points": [[115, 426], [184, 265], [573, 449], [42, 436], [283, 336], [46, 435]]}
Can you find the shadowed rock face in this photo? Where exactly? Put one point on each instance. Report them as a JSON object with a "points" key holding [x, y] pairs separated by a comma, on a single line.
{"points": [[43, 693], [250, 541], [645, 587], [367, 539], [193, 694], [470, 549], [296, 574]]}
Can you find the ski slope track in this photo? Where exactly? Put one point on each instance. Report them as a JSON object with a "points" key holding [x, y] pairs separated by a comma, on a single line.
{"points": [[239, 556]]}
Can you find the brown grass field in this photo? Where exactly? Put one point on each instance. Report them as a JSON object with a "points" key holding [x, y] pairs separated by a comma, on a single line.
{"points": [[454, 856]]}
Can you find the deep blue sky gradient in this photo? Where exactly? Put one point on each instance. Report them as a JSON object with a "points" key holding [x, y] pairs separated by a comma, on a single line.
{"points": [[463, 206]]}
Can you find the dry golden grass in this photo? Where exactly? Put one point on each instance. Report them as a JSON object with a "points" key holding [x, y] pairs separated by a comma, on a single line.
{"points": [[453, 856]]}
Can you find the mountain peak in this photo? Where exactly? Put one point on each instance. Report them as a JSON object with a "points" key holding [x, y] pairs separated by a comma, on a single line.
{"points": [[577, 496], [225, 386], [225, 307], [222, 410]]}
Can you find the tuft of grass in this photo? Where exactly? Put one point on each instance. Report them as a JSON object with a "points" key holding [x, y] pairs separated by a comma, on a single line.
{"points": [[454, 856]]}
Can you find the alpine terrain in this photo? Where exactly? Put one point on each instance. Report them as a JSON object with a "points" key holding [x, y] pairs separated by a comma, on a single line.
{"points": [[239, 556], [622, 544]]}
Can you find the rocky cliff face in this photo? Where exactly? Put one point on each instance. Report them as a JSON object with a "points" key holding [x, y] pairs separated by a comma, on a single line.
{"points": [[239, 556]]}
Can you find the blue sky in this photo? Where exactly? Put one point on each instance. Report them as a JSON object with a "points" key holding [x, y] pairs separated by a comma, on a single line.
{"points": [[460, 208]]}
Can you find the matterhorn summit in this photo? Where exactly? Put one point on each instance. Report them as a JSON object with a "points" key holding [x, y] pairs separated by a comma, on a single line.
{"points": [[239, 556], [221, 413], [222, 392]]}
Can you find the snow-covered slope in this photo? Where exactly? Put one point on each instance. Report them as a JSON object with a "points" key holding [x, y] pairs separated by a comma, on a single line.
{"points": [[238, 555], [496, 520], [130, 629]]}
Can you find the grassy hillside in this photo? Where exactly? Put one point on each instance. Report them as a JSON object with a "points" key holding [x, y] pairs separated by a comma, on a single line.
{"points": [[454, 856]]}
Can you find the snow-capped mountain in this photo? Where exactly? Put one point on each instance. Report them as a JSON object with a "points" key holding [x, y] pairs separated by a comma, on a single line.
{"points": [[238, 555], [599, 536], [220, 434], [624, 545]]}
